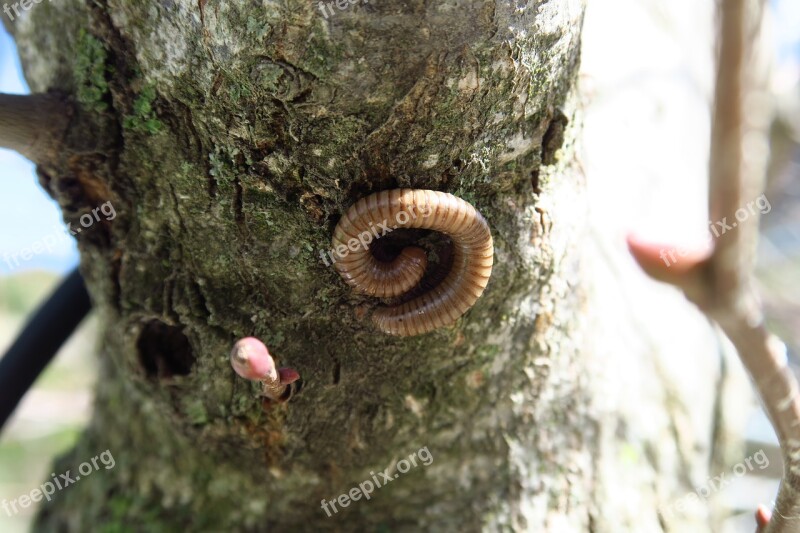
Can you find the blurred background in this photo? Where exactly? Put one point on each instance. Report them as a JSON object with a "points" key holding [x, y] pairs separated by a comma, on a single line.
{"points": [[52, 414], [645, 155], [645, 149]]}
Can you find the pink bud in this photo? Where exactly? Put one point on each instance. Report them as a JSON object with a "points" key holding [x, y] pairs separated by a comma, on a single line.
{"points": [[763, 516], [667, 262], [288, 375], [251, 360]]}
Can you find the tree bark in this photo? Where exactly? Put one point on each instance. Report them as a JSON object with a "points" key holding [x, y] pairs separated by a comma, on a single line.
{"points": [[230, 137]]}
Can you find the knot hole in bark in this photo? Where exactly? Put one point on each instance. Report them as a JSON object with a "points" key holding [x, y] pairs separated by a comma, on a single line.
{"points": [[164, 351], [553, 138], [439, 248], [552, 141]]}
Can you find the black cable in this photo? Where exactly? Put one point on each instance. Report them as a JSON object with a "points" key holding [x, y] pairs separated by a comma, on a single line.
{"points": [[38, 343]]}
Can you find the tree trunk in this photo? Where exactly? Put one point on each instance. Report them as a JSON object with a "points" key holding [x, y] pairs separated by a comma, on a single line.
{"points": [[230, 137]]}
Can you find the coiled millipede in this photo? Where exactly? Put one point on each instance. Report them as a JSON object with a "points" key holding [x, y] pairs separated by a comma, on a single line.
{"points": [[373, 217]]}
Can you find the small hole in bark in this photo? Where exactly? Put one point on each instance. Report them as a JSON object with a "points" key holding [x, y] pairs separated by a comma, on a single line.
{"points": [[238, 202], [164, 351], [291, 391], [535, 181], [288, 393], [438, 246], [554, 138], [389, 246]]}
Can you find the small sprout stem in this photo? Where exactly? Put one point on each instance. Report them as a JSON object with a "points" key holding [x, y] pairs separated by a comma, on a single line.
{"points": [[251, 359]]}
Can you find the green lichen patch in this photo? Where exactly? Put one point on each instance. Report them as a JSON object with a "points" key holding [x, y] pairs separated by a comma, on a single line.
{"points": [[143, 119], [195, 411], [91, 73]]}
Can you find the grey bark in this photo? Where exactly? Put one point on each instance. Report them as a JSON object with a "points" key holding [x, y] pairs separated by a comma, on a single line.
{"points": [[230, 137]]}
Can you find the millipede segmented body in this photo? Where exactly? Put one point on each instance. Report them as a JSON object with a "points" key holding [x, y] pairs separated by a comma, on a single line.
{"points": [[374, 216]]}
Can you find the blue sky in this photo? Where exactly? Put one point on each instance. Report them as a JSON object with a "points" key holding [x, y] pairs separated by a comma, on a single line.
{"points": [[787, 30], [28, 215]]}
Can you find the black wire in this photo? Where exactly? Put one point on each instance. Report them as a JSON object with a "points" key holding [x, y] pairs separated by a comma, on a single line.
{"points": [[38, 343]]}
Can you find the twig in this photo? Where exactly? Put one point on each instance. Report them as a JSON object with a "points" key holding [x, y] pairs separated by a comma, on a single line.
{"points": [[33, 125], [251, 359]]}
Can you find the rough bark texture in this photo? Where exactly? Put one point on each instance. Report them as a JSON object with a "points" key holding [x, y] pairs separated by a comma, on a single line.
{"points": [[234, 135]]}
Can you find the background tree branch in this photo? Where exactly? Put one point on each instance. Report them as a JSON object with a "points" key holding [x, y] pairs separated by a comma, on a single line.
{"points": [[719, 281]]}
